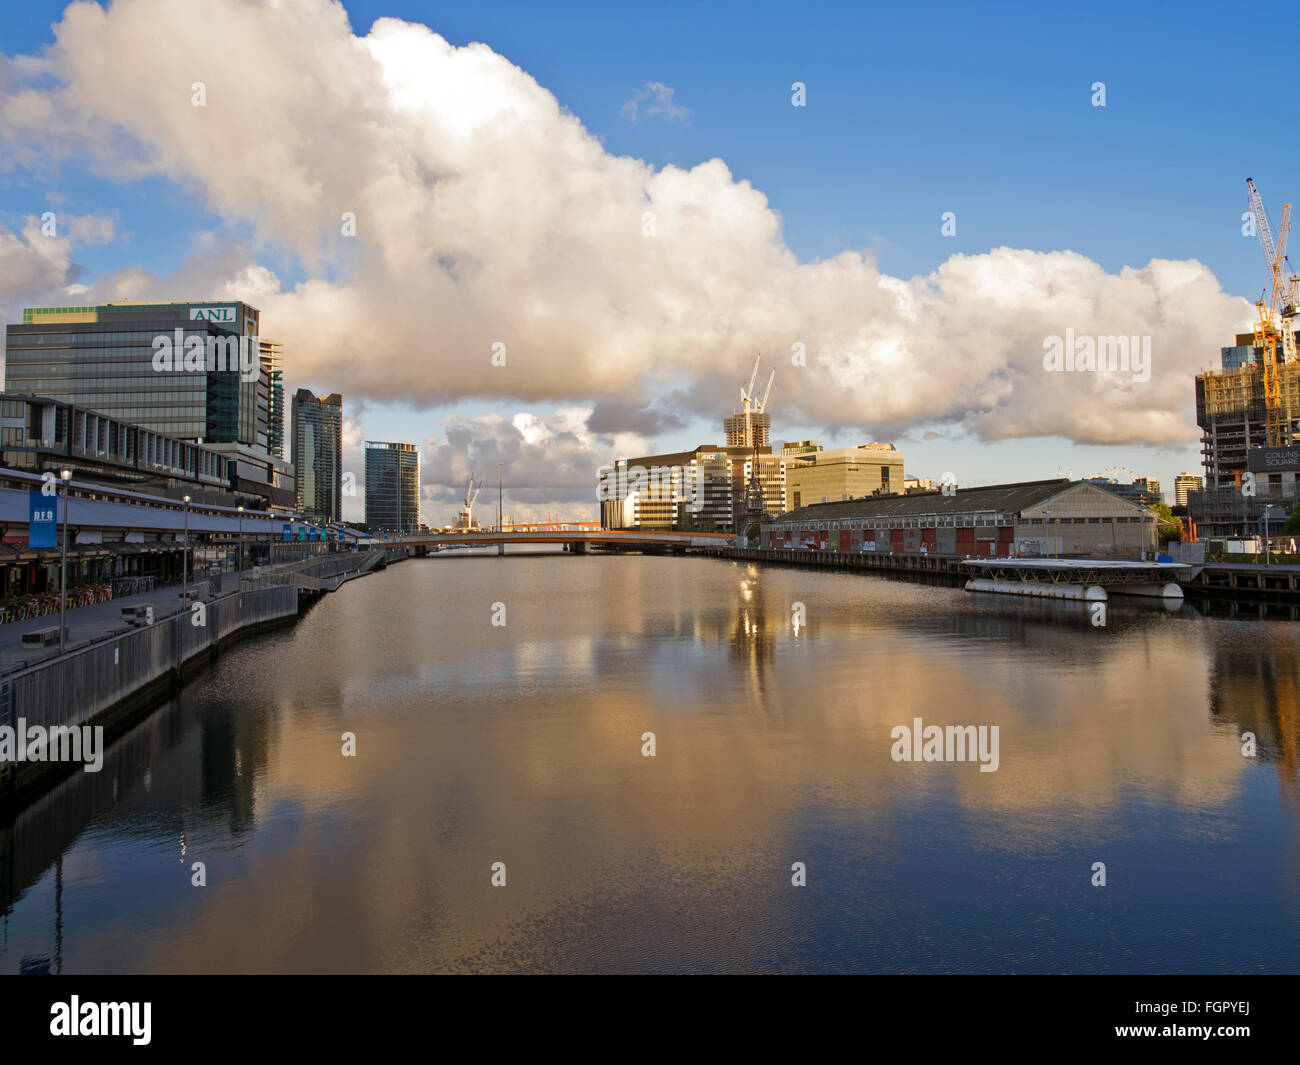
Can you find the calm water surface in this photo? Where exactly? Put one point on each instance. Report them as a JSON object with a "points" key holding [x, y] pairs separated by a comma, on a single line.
{"points": [[522, 744]]}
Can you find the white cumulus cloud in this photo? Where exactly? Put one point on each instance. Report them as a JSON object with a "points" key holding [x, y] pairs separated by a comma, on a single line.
{"points": [[486, 214]]}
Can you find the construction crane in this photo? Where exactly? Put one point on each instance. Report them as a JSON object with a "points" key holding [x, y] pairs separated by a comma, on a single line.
{"points": [[1267, 330], [747, 401], [471, 494], [750, 405]]}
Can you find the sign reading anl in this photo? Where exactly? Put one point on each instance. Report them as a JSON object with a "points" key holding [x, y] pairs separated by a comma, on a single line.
{"points": [[224, 315]]}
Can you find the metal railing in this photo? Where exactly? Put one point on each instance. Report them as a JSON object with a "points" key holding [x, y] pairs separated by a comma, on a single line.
{"points": [[72, 688]]}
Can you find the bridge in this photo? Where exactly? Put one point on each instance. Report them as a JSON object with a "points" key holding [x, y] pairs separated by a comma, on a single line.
{"points": [[574, 539]]}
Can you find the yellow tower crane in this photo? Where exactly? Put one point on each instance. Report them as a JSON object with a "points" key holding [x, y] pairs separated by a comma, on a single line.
{"points": [[1267, 331]]}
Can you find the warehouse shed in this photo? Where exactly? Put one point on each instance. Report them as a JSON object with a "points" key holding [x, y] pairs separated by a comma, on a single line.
{"points": [[1033, 519]]}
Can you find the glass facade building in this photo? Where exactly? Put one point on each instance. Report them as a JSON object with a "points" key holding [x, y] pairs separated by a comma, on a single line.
{"points": [[127, 361], [272, 362], [317, 429], [392, 487]]}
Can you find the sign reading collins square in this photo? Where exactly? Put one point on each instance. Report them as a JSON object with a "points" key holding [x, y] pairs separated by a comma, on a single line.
{"points": [[1273, 459]]}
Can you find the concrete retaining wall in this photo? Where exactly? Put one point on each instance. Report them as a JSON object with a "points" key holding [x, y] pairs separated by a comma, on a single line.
{"points": [[88, 685]]}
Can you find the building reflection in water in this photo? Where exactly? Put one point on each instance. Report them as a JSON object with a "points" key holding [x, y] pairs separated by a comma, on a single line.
{"points": [[525, 739]]}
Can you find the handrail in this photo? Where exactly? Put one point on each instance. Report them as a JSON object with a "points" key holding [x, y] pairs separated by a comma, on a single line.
{"points": [[99, 641]]}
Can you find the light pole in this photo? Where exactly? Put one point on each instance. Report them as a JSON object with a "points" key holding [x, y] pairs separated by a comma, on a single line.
{"points": [[185, 551], [501, 528], [1267, 508], [1055, 529], [65, 476], [240, 572]]}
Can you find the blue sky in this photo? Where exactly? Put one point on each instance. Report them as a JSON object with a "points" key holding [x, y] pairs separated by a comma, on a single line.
{"points": [[913, 110]]}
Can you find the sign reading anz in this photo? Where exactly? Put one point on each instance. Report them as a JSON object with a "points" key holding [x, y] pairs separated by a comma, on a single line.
{"points": [[224, 315]]}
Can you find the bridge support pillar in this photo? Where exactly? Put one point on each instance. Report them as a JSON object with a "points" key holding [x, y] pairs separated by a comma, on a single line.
{"points": [[578, 547], [501, 549]]}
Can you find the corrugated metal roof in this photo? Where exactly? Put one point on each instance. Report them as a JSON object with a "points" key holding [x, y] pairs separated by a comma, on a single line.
{"points": [[1004, 498]]}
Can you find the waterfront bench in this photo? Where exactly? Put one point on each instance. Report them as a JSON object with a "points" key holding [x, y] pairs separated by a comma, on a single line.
{"points": [[42, 637]]}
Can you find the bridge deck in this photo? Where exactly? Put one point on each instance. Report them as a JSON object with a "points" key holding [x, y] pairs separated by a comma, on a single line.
{"points": [[631, 538]]}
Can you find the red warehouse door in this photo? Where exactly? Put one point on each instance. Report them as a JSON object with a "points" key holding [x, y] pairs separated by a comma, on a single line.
{"points": [[844, 540], [1006, 538], [896, 539]]}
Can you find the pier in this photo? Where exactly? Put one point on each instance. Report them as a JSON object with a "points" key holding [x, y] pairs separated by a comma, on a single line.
{"points": [[1050, 577], [1070, 578]]}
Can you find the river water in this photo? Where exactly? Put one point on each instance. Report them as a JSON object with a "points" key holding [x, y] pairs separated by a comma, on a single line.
{"points": [[773, 724]]}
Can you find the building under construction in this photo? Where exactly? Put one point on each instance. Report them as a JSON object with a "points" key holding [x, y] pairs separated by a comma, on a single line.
{"points": [[1232, 413], [1247, 410], [1233, 416]]}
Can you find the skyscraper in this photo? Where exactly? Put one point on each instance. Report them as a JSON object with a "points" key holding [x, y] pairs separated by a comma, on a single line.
{"points": [[1184, 483], [392, 487], [272, 354], [317, 429]]}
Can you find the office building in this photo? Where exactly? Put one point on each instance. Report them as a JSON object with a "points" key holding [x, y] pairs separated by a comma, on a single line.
{"points": [[188, 371], [706, 489], [684, 490], [317, 432], [758, 486], [192, 371], [1184, 483], [392, 487], [823, 476]]}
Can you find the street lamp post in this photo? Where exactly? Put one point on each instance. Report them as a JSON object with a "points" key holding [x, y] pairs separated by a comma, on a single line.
{"points": [[501, 519], [185, 551], [1267, 508], [240, 572], [1055, 529], [65, 476]]}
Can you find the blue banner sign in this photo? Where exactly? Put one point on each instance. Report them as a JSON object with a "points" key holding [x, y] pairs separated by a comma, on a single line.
{"points": [[42, 522], [287, 532]]}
